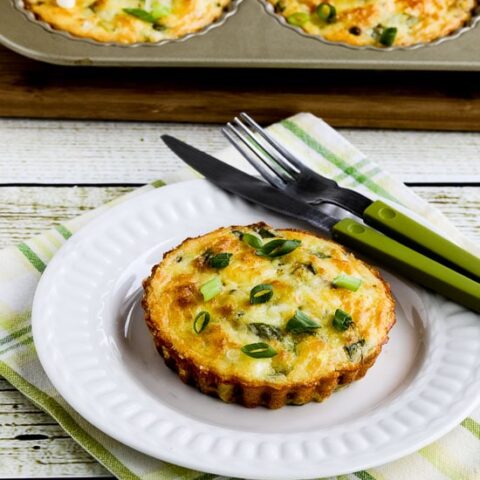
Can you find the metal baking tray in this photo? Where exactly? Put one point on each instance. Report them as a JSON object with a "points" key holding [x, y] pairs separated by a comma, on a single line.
{"points": [[249, 38]]}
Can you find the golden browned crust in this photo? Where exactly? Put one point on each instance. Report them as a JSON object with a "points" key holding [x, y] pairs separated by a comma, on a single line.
{"points": [[250, 395], [252, 392]]}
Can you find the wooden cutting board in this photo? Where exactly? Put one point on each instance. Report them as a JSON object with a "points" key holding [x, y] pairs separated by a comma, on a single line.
{"points": [[375, 99]]}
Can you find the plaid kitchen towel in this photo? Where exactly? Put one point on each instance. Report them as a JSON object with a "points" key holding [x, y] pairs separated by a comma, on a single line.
{"points": [[455, 456]]}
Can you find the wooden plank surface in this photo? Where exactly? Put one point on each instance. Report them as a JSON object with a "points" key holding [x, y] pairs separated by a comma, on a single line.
{"points": [[33, 445], [57, 154], [86, 152], [413, 100], [27, 211]]}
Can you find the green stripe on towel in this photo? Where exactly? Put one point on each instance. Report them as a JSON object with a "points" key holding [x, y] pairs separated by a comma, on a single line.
{"points": [[158, 183], [32, 257], [363, 475], [472, 426], [63, 231], [15, 335], [346, 173], [334, 159], [26, 341]]}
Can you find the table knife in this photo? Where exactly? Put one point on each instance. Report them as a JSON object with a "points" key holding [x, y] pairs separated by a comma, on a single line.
{"points": [[349, 232]]}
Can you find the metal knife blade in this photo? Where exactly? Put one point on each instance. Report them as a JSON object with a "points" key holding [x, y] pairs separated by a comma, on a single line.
{"points": [[248, 187]]}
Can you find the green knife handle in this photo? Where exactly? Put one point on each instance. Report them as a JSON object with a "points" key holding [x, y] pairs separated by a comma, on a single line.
{"points": [[408, 262], [409, 232]]}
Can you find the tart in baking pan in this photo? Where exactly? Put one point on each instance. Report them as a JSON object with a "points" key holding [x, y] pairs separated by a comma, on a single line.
{"points": [[128, 21], [259, 316], [379, 23]]}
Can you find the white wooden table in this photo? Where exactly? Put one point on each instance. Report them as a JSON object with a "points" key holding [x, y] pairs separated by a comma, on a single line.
{"points": [[53, 170]]}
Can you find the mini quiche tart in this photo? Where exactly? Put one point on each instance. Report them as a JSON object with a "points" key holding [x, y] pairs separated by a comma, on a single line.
{"points": [[128, 21], [258, 316], [379, 23]]}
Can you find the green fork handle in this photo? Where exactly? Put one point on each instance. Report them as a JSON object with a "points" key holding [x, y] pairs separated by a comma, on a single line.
{"points": [[408, 262], [396, 225]]}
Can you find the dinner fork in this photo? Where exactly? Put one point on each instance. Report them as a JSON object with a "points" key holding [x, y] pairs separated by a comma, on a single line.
{"points": [[283, 170]]}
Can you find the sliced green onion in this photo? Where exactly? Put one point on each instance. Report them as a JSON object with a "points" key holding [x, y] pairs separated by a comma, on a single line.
{"points": [[278, 248], [259, 350], [141, 14], [346, 281], [221, 260], [211, 288], [298, 18], [353, 348], [341, 320], [201, 321], [269, 247], [264, 330], [159, 10], [322, 255], [261, 293], [388, 36], [251, 240], [264, 233], [301, 323], [327, 12]]}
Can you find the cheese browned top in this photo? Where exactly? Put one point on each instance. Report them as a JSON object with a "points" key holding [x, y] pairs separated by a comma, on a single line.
{"points": [[301, 280], [363, 22], [128, 21]]}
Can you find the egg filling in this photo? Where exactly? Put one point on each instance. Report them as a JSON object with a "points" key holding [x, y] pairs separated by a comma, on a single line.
{"points": [[128, 21], [379, 23]]}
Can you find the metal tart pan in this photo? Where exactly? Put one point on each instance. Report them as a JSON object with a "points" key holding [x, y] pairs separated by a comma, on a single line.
{"points": [[250, 38]]}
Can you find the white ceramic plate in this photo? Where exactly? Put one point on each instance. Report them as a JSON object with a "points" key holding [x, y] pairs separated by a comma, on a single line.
{"points": [[92, 341]]}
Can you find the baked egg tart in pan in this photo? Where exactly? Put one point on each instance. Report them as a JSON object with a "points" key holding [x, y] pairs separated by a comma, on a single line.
{"points": [[267, 317], [129, 22], [377, 24], [361, 24]]}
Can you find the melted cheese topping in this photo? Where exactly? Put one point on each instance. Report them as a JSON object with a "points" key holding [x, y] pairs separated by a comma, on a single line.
{"points": [[107, 21], [66, 3], [361, 22], [301, 279]]}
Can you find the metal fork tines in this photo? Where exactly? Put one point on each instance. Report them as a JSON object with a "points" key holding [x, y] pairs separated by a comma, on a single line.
{"points": [[278, 166]]}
